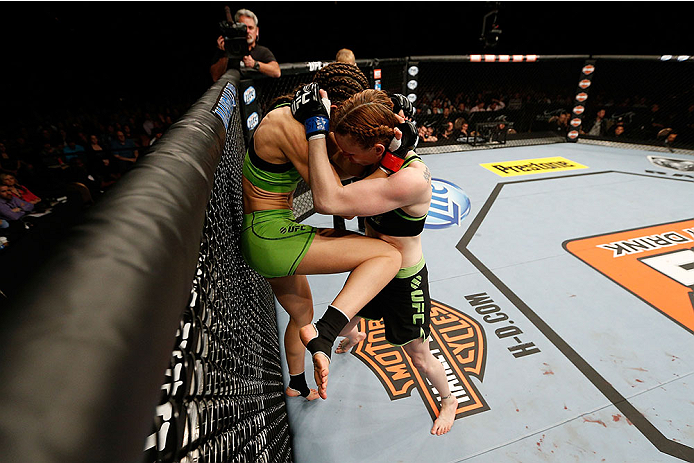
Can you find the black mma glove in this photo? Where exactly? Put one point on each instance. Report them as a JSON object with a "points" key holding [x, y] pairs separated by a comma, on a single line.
{"points": [[400, 101], [310, 109], [395, 155]]}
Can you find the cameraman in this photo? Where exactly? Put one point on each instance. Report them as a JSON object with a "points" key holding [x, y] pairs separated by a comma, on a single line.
{"points": [[259, 57]]}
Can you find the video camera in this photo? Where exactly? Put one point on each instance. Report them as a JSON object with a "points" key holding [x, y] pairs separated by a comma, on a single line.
{"points": [[234, 40]]}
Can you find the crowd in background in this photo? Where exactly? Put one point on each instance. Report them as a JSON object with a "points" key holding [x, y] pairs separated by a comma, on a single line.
{"points": [[75, 156], [93, 149], [443, 117]]}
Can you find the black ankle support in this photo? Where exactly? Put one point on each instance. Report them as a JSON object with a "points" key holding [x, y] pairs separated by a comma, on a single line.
{"points": [[298, 383], [328, 327]]}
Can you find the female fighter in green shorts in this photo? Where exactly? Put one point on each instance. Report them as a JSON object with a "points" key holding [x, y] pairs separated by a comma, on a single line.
{"points": [[285, 251]]}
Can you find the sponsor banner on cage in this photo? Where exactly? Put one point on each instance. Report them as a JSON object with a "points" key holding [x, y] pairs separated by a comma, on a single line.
{"points": [[225, 104], [457, 341], [532, 166], [655, 263]]}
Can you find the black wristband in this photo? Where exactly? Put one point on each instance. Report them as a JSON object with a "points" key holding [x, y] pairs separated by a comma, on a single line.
{"points": [[256, 66]]}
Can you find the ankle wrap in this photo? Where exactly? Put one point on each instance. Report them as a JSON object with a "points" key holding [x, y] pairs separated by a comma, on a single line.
{"points": [[298, 383], [328, 327]]}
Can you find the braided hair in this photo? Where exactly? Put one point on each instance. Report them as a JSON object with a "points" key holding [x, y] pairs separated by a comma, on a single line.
{"points": [[340, 80], [367, 116]]}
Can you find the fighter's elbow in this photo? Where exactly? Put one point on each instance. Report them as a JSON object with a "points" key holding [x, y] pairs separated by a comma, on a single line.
{"points": [[323, 205]]}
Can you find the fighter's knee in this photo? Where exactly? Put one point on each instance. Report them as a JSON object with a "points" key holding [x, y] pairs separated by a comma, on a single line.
{"points": [[302, 319], [419, 363]]}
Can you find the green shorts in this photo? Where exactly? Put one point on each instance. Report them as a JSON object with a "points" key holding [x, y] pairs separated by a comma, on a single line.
{"points": [[273, 242]]}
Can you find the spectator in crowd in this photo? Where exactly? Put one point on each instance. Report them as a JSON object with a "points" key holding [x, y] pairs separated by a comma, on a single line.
{"points": [[426, 134], [598, 126], [656, 122], [156, 135], [72, 150], [345, 55], [465, 129], [479, 106], [8, 163], [148, 124], [259, 58], [619, 131], [496, 105], [449, 132], [11, 207], [18, 190], [124, 151], [430, 136], [95, 145], [5, 160], [667, 136], [100, 164], [560, 122], [51, 157]]}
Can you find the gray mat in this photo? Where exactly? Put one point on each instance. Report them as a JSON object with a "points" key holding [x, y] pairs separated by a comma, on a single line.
{"points": [[562, 344]]}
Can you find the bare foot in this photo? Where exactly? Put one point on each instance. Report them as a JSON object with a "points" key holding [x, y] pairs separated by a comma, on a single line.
{"points": [[320, 361], [320, 373], [349, 342], [444, 422], [294, 393]]}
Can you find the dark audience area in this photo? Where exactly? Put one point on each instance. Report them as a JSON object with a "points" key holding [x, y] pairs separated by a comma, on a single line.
{"points": [[54, 167]]}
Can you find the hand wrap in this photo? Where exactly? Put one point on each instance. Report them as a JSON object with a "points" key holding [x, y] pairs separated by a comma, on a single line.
{"points": [[313, 111], [395, 155]]}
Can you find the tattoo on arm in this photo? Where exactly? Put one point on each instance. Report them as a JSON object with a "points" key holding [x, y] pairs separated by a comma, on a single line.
{"points": [[427, 174]]}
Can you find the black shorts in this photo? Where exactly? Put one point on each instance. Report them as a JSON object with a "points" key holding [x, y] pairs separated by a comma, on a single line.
{"points": [[404, 305]]}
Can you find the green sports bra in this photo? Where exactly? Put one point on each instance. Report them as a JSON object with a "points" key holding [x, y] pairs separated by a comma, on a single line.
{"points": [[276, 178]]}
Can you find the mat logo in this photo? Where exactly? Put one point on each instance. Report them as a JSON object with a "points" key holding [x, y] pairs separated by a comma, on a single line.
{"points": [[654, 263], [456, 340], [449, 205], [532, 166], [683, 165]]}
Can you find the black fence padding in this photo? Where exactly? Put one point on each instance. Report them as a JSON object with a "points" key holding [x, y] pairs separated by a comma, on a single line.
{"points": [[223, 398], [84, 346]]}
